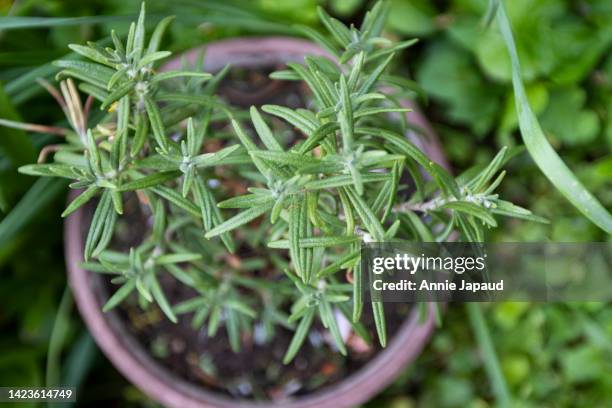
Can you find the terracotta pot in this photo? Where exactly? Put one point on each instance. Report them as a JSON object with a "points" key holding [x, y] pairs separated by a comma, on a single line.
{"points": [[133, 361]]}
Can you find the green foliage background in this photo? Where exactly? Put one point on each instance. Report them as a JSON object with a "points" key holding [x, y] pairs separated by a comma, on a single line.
{"points": [[552, 355]]}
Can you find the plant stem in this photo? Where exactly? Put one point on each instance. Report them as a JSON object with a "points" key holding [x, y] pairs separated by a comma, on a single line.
{"points": [[491, 362]]}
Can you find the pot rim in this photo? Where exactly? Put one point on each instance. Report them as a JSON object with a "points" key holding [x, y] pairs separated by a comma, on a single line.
{"points": [[131, 359]]}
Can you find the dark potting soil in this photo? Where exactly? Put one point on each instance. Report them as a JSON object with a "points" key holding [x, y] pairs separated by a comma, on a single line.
{"points": [[256, 371]]}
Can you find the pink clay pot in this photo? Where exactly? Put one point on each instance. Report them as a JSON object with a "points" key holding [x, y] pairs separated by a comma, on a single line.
{"points": [[133, 361]]}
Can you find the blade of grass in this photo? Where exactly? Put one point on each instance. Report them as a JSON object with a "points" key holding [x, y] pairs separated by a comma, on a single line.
{"points": [[37, 197], [15, 23], [538, 146], [491, 362], [58, 338]]}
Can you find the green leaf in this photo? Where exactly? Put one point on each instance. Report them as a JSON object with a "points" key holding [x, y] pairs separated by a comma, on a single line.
{"points": [[204, 201], [149, 181], [344, 180], [140, 137], [487, 174], [295, 118], [337, 265], [119, 295], [300, 335], [30, 205], [214, 159], [177, 258], [80, 200], [371, 222], [161, 300], [264, 132], [158, 33], [296, 231], [91, 53], [345, 117], [540, 150], [152, 57], [377, 110], [163, 76], [471, 209], [103, 216], [175, 198], [328, 316], [319, 39], [139, 35], [316, 242], [18, 22], [380, 322], [15, 143], [318, 135], [508, 209], [238, 220], [292, 159], [391, 50], [247, 201], [371, 80], [421, 231], [157, 124], [94, 74], [49, 170], [340, 33], [118, 93], [357, 292]]}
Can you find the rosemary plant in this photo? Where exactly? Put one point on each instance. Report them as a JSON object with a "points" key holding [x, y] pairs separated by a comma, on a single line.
{"points": [[339, 181]]}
